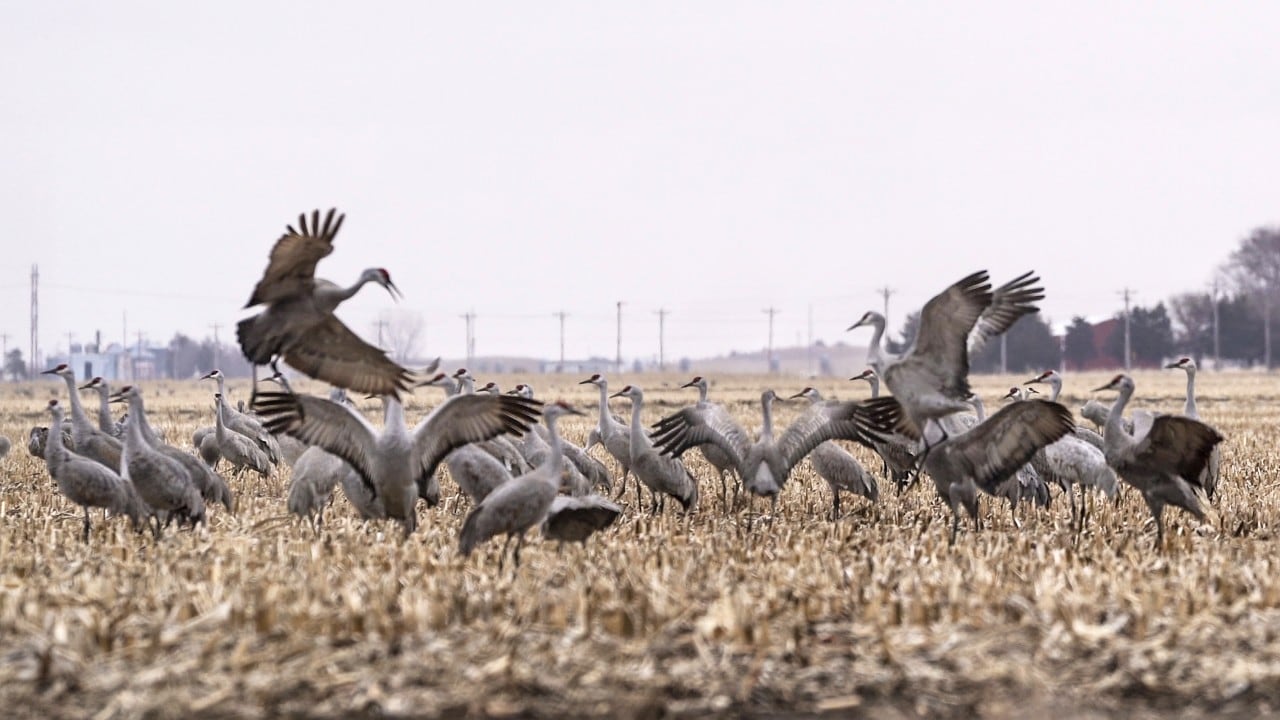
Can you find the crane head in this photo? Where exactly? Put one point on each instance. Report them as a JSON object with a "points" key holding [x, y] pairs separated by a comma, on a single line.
{"points": [[96, 382], [697, 381], [555, 409], [1116, 383], [593, 380], [123, 394], [865, 375], [1042, 377], [624, 392], [383, 278], [212, 375], [867, 318], [811, 393], [490, 387], [62, 369], [1185, 363]]}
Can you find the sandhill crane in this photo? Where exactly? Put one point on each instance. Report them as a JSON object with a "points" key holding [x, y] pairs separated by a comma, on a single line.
{"points": [[288, 449], [1209, 478], [838, 466], [590, 472], [38, 439], [614, 435], [205, 441], [4, 446], [574, 519], [931, 378], [1030, 481], [1163, 461], [238, 422], [660, 472], [162, 482], [1054, 381], [991, 453], [765, 464], [521, 503], [212, 488], [1072, 461], [475, 469], [106, 423], [720, 460], [235, 448], [897, 452], [87, 483], [1097, 413], [89, 441], [395, 462], [299, 325], [501, 448]]}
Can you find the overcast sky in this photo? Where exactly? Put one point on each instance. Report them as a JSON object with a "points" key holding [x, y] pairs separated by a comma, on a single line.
{"points": [[712, 158]]}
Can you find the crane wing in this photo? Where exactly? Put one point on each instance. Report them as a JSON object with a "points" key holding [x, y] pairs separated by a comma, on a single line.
{"points": [[331, 352], [291, 269], [335, 428], [464, 419], [698, 425], [939, 358], [862, 422], [1178, 446], [1008, 303], [994, 450]]}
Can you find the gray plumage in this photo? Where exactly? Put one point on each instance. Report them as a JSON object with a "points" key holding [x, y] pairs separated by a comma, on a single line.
{"points": [[315, 473], [238, 422], [991, 453], [1054, 381], [238, 450], [395, 463], [87, 483], [162, 482], [106, 423], [719, 460], [298, 323], [205, 441], [574, 519], [1163, 461], [38, 438], [211, 486], [615, 436], [594, 473], [931, 379], [521, 503], [1212, 470], [4, 446], [663, 474], [89, 440], [838, 466], [897, 452]]}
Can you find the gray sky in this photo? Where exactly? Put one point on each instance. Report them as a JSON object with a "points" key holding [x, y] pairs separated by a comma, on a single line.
{"points": [[714, 158]]}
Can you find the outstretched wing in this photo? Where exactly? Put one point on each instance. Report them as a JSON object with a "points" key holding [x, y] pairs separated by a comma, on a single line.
{"points": [[332, 353], [994, 450], [1008, 303], [464, 419], [291, 269], [697, 425], [336, 428], [863, 422], [1177, 445], [939, 359]]}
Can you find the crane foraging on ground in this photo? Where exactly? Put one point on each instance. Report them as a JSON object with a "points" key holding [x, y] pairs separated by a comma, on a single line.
{"points": [[298, 324], [931, 379], [1209, 478], [239, 450], [521, 503], [87, 483], [395, 463], [660, 472], [1165, 461], [838, 466], [766, 464]]}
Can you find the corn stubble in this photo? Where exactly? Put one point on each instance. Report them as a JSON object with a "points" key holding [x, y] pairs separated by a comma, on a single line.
{"points": [[259, 615]]}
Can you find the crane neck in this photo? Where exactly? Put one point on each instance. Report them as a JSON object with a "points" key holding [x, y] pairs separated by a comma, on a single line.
{"points": [[1189, 409], [875, 386], [54, 451], [766, 407], [466, 386], [219, 424], [604, 404], [105, 421], [1114, 427], [555, 457], [78, 417], [980, 409], [393, 415], [702, 392], [1055, 388], [875, 355], [137, 416], [637, 430]]}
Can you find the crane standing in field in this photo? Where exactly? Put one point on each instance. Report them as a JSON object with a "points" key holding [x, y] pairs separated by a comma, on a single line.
{"points": [[238, 422], [395, 462], [89, 440], [897, 452], [1208, 478], [663, 475], [613, 434], [106, 423], [521, 503], [1054, 381], [593, 473], [299, 325], [838, 466], [235, 448], [88, 483], [720, 460], [1164, 461], [162, 482]]}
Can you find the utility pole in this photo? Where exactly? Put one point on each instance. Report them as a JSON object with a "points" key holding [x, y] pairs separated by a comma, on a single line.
{"points": [[617, 363], [771, 311], [35, 318], [886, 291], [470, 318], [70, 337], [381, 325], [1004, 354], [561, 314], [1217, 349], [662, 350], [1127, 355], [217, 346], [138, 355]]}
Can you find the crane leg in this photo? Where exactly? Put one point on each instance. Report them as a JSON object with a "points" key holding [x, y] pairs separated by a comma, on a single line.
{"points": [[516, 554], [724, 492], [1071, 498], [835, 504], [503, 556], [86, 523]]}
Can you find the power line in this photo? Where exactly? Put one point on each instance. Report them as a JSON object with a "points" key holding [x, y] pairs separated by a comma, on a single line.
{"points": [[1126, 292], [217, 346], [470, 317], [770, 311], [662, 351], [561, 314]]}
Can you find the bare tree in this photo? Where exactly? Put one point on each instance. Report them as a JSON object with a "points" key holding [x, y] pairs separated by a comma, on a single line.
{"points": [[404, 331], [1255, 269]]}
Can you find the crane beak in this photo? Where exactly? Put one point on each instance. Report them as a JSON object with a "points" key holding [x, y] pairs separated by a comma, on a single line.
{"points": [[586, 382], [115, 398], [617, 394], [1009, 395], [1032, 381], [688, 384], [1104, 387], [206, 377], [793, 397], [87, 386], [1171, 366], [855, 326], [53, 371], [394, 291]]}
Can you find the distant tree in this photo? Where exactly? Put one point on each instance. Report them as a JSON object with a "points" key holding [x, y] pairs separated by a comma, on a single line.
{"points": [[15, 368], [1029, 345], [403, 334], [1150, 335], [1080, 342], [1193, 317], [1254, 267], [910, 326], [1239, 319], [184, 356]]}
